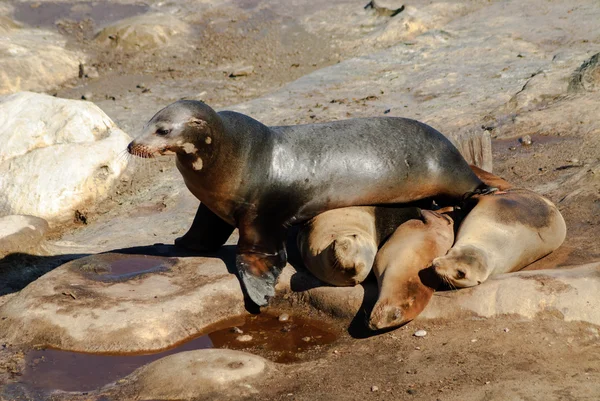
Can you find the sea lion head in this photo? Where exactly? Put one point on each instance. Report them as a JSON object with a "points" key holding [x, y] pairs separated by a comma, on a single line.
{"points": [[352, 257], [186, 128], [464, 266]]}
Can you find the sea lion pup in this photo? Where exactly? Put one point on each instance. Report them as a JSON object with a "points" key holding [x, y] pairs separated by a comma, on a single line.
{"points": [[410, 250], [339, 246], [504, 232], [263, 179]]}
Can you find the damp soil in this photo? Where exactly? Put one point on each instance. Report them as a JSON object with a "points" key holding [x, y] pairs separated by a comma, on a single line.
{"points": [[282, 338], [48, 14]]}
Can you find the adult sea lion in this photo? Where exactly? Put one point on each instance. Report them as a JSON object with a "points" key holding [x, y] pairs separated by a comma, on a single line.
{"points": [[504, 232], [263, 179], [400, 263]]}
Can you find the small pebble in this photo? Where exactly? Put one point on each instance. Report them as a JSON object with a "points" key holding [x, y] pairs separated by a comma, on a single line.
{"points": [[284, 317], [411, 391], [237, 330], [417, 348], [574, 161], [244, 338], [526, 140], [506, 329], [512, 148], [306, 339], [420, 333], [487, 382], [87, 96], [474, 340], [374, 388]]}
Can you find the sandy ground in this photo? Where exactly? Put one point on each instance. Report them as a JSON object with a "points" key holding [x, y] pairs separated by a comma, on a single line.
{"points": [[472, 359]]}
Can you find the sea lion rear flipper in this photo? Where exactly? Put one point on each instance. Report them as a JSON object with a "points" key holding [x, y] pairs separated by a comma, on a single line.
{"points": [[260, 259], [207, 233]]}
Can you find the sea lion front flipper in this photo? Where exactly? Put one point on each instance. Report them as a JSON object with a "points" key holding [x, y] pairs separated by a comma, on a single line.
{"points": [[207, 233], [260, 258]]}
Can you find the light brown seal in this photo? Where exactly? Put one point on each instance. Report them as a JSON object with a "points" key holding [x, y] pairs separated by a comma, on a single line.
{"points": [[504, 232], [339, 246], [398, 264]]}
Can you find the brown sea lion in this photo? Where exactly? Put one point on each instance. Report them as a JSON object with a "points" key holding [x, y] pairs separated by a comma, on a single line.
{"points": [[263, 179], [339, 246], [502, 233], [398, 264]]}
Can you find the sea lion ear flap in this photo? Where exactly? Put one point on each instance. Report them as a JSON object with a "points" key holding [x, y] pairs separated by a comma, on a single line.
{"points": [[197, 122]]}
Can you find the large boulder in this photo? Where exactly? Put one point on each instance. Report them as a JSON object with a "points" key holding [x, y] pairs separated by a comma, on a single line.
{"points": [[122, 303], [142, 32], [57, 154], [568, 293], [34, 59], [201, 374]]}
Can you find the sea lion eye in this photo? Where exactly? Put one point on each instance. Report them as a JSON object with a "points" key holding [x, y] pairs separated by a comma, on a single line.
{"points": [[162, 131], [460, 274]]}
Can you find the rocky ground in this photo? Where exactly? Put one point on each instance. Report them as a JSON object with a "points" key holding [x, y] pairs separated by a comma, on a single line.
{"points": [[501, 70]]}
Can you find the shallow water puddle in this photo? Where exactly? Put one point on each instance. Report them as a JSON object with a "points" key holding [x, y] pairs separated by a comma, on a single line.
{"points": [[110, 267], [281, 341], [46, 14]]}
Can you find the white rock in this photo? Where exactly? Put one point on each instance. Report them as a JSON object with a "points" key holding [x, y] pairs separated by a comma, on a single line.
{"points": [[244, 338], [199, 374], [420, 333], [33, 59], [142, 32], [57, 154]]}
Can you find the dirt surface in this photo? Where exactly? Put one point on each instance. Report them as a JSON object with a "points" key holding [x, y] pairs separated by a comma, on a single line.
{"points": [[472, 359]]}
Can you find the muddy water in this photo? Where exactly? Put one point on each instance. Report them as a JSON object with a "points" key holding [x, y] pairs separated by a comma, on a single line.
{"points": [[515, 146], [281, 341], [112, 267], [48, 13]]}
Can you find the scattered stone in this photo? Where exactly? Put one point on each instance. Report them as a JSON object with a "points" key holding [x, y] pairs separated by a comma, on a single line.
{"points": [[506, 329], [199, 374], [92, 73], [420, 333], [57, 154], [306, 339], [474, 340], [284, 317], [87, 96], [149, 31], [418, 348], [242, 71], [374, 388], [389, 8], [237, 330], [411, 391], [21, 234], [244, 338], [587, 76], [526, 140], [34, 59]]}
